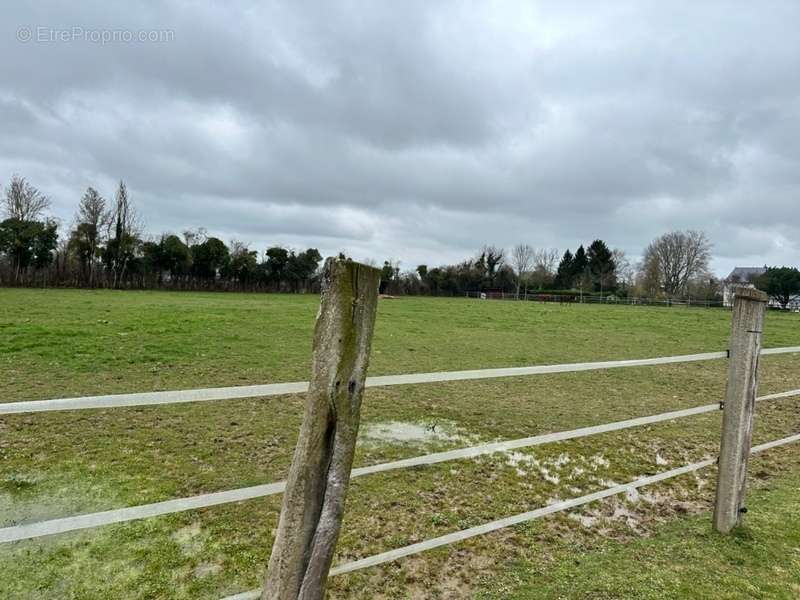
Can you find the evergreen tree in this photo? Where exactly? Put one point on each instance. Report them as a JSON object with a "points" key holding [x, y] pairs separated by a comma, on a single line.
{"points": [[564, 274], [580, 263], [601, 266], [209, 258], [781, 283]]}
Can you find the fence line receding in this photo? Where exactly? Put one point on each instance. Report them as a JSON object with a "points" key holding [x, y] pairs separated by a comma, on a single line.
{"points": [[299, 387], [144, 511], [458, 536], [335, 364]]}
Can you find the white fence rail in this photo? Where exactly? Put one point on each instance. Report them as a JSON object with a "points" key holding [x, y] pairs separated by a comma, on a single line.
{"points": [[464, 534], [55, 526], [299, 387], [144, 511]]}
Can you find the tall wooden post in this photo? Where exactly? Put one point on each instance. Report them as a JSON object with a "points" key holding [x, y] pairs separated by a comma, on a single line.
{"points": [[313, 503], [749, 306]]}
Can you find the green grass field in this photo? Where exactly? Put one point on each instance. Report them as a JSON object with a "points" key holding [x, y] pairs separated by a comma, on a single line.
{"points": [[69, 343]]}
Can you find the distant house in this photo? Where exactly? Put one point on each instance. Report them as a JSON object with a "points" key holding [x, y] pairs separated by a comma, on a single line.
{"points": [[739, 276], [746, 276]]}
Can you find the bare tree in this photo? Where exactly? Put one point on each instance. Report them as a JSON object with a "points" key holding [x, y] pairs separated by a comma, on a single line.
{"points": [[92, 218], [677, 257], [625, 271], [545, 261], [126, 228], [22, 201], [522, 262], [92, 209]]}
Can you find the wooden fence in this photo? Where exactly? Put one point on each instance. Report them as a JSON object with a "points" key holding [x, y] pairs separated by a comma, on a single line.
{"points": [[738, 411], [578, 298]]}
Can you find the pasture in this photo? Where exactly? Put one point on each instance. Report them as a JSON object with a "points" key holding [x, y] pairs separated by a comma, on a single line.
{"points": [[70, 343]]}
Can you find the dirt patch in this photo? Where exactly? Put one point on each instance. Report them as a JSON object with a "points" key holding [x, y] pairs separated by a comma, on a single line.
{"points": [[403, 432], [206, 569], [191, 539]]}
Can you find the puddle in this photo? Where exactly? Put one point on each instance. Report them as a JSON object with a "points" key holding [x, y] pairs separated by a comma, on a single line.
{"points": [[548, 476], [585, 520], [190, 539], [401, 432], [518, 458], [577, 472], [632, 495], [206, 569]]}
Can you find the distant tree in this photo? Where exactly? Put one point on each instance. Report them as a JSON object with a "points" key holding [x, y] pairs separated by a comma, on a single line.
{"points": [[92, 209], [677, 257], [781, 283], [150, 262], [704, 287], [424, 279], [601, 266], [243, 263], [209, 258], [174, 256], [648, 280], [45, 240], [83, 243], [580, 269], [302, 267], [277, 266], [522, 256], [387, 276], [544, 267], [564, 274], [91, 219], [28, 244], [505, 279], [121, 247], [23, 202], [491, 259], [625, 271]]}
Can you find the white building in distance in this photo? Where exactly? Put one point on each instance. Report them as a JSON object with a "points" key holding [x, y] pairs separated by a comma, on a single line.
{"points": [[745, 276]]}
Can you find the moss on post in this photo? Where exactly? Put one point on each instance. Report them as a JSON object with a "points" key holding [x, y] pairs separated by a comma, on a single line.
{"points": [[313, 503]]}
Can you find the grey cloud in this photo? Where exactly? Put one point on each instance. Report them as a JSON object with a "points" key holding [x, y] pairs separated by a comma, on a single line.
{"points": [[420, 133]]}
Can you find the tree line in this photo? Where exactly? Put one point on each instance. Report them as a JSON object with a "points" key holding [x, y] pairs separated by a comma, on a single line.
{"points": [[674, 265], [106, 247]]}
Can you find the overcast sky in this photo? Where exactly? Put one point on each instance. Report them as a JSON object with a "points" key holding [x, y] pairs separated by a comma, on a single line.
{"points": [[417, 130]]}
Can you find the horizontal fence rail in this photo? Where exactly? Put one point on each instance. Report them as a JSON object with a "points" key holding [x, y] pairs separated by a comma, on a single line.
{"points": [[464, 534], [280, 389], [121, 515]]}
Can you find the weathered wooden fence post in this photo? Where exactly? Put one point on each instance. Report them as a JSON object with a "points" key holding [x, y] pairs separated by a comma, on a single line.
{"points": [[749, 306], [313, 503]]}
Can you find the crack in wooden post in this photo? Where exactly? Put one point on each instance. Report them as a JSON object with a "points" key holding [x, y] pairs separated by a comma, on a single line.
{"points": [[314, 500], [740, 395]]}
